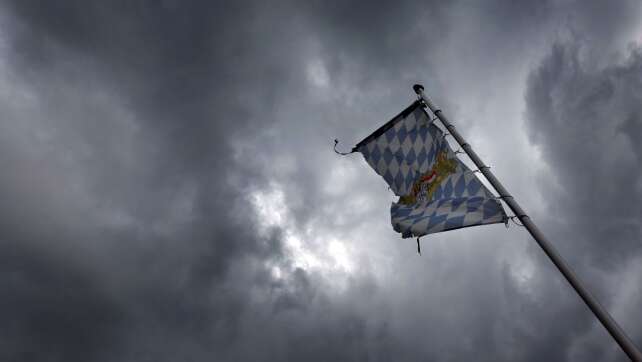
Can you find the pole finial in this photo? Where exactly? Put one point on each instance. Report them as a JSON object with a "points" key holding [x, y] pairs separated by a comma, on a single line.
{"points": [[418, 88]]}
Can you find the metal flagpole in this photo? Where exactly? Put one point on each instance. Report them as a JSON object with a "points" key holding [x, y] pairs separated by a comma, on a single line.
{"points": [[609, 323]]}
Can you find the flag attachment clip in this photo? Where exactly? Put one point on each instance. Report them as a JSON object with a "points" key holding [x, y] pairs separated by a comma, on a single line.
{"points": [[336, 141]]}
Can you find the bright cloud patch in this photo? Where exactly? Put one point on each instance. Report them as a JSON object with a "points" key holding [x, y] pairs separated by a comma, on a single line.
{"points": [[312, 249]]}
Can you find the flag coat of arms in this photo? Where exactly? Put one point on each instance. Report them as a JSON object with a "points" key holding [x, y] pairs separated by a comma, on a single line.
{"points": [[437, 192]]}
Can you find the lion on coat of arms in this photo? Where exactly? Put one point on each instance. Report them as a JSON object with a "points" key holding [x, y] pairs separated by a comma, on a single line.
{"points": [[425, 185]]}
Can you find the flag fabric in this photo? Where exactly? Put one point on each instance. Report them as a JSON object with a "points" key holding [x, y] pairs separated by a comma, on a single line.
{"points": [[437, 192]]}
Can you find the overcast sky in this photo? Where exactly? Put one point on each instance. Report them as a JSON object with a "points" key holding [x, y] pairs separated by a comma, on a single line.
{"points": [[168, 190]]}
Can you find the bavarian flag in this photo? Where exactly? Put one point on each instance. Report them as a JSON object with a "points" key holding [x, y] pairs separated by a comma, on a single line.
{"points": [[437, 192]]}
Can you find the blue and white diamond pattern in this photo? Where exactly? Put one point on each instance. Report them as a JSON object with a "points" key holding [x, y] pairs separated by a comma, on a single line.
{"points": [[408, 150], [445, 214], [404, 151]]}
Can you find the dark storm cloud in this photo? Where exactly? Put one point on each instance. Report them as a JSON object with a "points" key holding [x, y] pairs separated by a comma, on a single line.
{"points": [[133, 134], [586, 120], [49, 305], [145, 288]]}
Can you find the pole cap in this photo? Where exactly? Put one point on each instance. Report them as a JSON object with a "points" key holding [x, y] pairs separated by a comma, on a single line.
{"points": [[418, 88]]}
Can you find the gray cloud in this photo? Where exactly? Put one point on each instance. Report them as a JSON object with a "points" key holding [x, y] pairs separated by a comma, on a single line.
{"points": [[585, 120]]}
